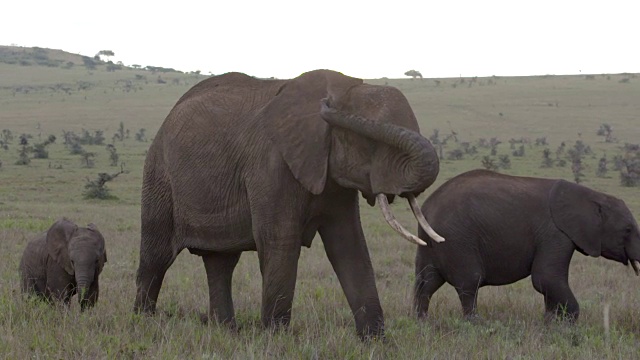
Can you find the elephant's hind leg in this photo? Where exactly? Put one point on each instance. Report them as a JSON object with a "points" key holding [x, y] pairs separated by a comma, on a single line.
{"points": [[219, 267], [468, 295], [149, 278], [428, 281], [157, 249]]}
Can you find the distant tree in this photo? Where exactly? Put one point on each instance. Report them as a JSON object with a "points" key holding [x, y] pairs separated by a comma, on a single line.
{"points": [[602, 167], [40, 149], [96, 189], [606, 131], [136, 66], [541, 141], [106, 53], [113, 155], [120, 133], [505, 162], [547, 161], [518, 152], [141, 136], [414, 74], [489, 163], [24, 150], [5, 138], [87, 159]]}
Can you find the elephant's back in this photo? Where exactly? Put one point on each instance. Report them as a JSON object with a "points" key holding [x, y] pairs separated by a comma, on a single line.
{"points": [[33, 261], [486, 198]]}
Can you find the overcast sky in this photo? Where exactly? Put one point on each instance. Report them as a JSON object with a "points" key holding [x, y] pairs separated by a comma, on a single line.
{"points": [[367, 39]]}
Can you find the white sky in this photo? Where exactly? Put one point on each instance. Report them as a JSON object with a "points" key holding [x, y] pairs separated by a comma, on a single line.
{"points": [[367, 39]]}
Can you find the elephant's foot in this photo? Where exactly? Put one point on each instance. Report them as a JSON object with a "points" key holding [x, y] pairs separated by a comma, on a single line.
{"points": [[143, 305], [474, 319], [373, 335], [559, 316], [208, 319]]}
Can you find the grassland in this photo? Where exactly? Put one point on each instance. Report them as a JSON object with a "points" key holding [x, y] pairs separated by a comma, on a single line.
{"points": [[41, 101]]}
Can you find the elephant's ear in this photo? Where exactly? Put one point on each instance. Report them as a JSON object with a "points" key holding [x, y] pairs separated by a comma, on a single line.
{"points": [[57, 241], [293, 121], [102, 259], [576, 211]]}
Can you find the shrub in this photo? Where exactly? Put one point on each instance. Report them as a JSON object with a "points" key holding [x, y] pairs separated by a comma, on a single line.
{"points": [[456, 154], [606, 130], [113, 155], [24, 150], [489, 163], [40, 150], [602, 167], [87, 159], [96, 189], [141, 136], [519, 152], [547, 161]]}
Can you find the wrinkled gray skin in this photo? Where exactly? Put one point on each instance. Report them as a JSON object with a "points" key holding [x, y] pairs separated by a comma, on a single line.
{"points": [[244, 164], [63, 261], [501, 229]]}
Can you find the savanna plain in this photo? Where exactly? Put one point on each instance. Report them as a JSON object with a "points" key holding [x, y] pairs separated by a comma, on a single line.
{"points": [[505, 123]]}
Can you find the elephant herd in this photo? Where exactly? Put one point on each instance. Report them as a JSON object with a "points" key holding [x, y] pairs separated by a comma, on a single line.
{"points": [[245, 164]]}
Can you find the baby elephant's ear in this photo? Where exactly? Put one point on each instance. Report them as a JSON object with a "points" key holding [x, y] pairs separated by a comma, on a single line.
{"points": [[103, 258], [58, 237], [577, 212]]}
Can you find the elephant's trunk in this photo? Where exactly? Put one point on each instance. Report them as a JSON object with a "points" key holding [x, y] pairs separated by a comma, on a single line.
{"points": [[421, 155], [83, 281]]}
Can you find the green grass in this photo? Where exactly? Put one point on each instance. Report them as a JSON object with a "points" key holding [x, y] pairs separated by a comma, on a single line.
{"points": [[33, 196]]}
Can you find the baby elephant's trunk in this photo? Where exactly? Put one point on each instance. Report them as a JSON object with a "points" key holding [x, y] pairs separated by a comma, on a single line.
{"points": [[84, 281]]}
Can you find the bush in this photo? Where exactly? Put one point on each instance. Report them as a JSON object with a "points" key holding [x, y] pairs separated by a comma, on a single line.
{"points": [[489, 163], [40, 150], [505, 162], [96, 189], [24, 150], [113, 155], [456, 154], [519, 152]]}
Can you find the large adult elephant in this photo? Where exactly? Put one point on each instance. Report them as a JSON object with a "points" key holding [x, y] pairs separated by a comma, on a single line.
{"points": [[244, 164], [503, 228]]}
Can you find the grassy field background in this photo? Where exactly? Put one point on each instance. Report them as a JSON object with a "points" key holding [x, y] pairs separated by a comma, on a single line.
{"points": [[45, 100]]}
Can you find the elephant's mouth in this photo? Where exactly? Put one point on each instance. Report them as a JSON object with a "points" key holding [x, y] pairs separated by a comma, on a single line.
{"points": [[391, 220]]}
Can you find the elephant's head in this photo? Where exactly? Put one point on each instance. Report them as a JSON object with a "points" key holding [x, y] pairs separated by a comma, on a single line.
{"points": [[598, 224], [79, 251], [334, 129]]}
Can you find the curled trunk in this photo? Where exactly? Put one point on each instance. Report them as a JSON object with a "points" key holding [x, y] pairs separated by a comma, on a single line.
{"points": [[421, 157]]}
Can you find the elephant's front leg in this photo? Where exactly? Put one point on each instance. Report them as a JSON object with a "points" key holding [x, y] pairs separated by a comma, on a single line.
{"points": [[347, 251], [278, 244], [219, 267]]}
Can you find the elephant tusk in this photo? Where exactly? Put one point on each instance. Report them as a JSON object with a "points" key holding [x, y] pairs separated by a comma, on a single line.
{"points": [[388, 216], [635, 264], [422, 220]]}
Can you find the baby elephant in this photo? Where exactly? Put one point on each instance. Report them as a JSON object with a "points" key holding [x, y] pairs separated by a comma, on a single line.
{"points": [[63, 261], [501, 229]]}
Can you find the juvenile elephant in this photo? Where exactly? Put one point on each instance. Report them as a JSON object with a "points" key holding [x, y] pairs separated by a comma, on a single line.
{"points": [[502, 228], [245, 164], [63, 261]]}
